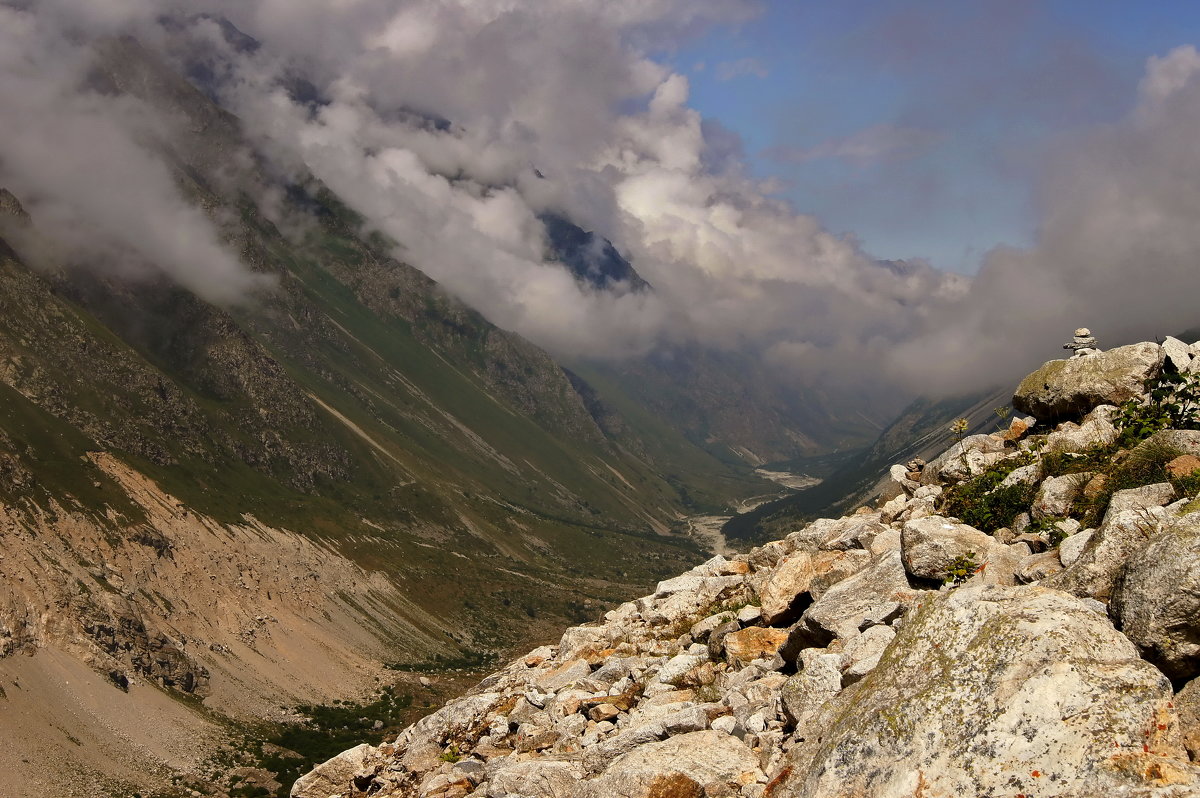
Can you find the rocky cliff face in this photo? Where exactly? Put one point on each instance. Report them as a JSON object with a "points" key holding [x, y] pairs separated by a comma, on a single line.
{"points": [[1016, 618]]}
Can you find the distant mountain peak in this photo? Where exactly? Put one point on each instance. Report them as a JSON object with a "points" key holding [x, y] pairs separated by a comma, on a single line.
{"points": [[591, 258]]}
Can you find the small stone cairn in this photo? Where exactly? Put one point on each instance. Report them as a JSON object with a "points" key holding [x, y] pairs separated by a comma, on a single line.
{"points": [[1083, 343]]}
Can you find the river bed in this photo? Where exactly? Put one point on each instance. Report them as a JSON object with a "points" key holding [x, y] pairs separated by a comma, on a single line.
{"points": [[707, 528]]}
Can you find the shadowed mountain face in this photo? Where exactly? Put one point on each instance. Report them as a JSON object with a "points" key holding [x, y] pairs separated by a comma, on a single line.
{"points": [[592, 259]]}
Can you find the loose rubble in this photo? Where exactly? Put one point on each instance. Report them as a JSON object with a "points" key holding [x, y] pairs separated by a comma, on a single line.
{"points": [[894, 652]]}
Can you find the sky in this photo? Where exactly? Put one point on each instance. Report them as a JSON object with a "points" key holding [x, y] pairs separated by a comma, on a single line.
{"points": [[1032, 164], [916, 126]]}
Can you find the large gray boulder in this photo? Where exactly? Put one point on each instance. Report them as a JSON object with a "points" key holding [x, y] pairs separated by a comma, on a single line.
{"points": [[933, 545], [872, 595], [1064, 390], [695, 764], [997, 691], [1128, 524], [1057, 494], [337, 775], [1157, 599]]}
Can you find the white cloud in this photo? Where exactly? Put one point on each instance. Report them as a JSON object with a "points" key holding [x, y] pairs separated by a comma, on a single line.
{"points": [[555, 106], [99, 196]]}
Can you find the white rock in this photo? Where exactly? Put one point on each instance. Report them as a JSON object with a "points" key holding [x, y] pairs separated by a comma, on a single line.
{"points": [[1025, 475], [1146, 496], [1157, 600], [1177, 354], [790, 579], [1070, 549], [987, 696], [1057, 494], [932, 545], [678, 666], [1094, 573], [863, 651], [335, 775]]}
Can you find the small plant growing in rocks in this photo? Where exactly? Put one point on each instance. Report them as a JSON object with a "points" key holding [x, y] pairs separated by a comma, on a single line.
{"points": [[962, 569], [1173, 402]]}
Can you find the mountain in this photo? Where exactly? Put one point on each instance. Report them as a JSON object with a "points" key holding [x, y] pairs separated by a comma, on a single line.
{"points": [[227, 495], [592, 259], [255, 504], [920, 431], [1044, 647]]}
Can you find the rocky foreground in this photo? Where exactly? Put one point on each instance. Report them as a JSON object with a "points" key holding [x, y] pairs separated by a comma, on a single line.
{"points": [[893, 652]]}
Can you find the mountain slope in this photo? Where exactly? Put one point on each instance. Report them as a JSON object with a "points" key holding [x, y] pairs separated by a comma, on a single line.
{"points": [[259, 504]]}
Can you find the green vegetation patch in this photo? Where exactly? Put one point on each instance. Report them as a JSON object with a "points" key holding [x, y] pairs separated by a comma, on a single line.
{"points": [[984, 504]]}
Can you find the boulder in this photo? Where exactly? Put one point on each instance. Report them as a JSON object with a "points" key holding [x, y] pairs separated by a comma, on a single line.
{"points": [[1157, 495], [1187, 704], [1064, 390], [1024, 475], [685, 766], [1057, 494], [1157, 599], [535, 778], [966, 458], [756, 642], [862, 652], [334, 776], [1177, 355], [1184, 441], [562, 675], [1183, 466], [874, 593], [804, 694], [1094, 573], [1037, 567], [931, 545], [787, 582], [996, 691], [1070, 549], [1096, 429], [852, 532], [831, 567]]}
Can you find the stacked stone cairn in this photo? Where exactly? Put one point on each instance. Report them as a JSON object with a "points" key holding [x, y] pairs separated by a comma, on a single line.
{"points": [[838, 661], [1083, 343]]}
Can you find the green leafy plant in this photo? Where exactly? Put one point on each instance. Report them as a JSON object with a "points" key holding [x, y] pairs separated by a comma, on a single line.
{"points": [[1047, 528], [1173, 402], [962, 569], [983, 504], [451, 754]]}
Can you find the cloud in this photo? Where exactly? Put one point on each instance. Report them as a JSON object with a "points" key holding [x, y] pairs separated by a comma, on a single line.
{"points": [[100, 196], [1116, 250], [885, 142], [741, 68], [555, 107], [453, 125]]}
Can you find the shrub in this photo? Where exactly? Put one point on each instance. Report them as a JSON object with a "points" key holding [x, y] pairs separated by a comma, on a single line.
{"points": [[962, 569], [1173, 402], [983, 504]]}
